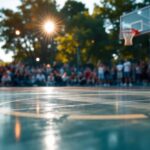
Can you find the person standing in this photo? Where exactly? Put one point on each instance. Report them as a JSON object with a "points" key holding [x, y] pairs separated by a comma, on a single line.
{"points": [[119, 68], [127, 72]]}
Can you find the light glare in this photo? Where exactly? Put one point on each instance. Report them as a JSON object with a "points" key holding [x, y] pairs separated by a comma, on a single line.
{"points": [[17, 32], [37, 59], [49, 26]]}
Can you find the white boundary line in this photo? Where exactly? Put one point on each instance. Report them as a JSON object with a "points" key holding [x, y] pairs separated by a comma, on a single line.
{"points": [[74, 117], [107, 117]]}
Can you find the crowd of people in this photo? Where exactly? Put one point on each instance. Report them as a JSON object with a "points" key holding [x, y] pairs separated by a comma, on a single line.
{"points": [[124, 73]]}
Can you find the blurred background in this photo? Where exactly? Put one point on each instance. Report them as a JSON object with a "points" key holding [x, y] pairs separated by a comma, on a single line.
{"points": [[70, 35]]}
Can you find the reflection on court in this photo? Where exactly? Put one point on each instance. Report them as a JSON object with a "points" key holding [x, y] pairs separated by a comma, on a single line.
{"points": [[58, 118]]}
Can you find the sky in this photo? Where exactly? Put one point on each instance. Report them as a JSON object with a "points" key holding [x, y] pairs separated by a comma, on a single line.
{"points": [[12, 4]]}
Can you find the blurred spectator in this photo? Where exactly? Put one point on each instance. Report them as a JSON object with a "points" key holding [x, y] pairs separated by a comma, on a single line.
{"points": [[50, 80], [127, 72], [6, 79], [40, 78], [87, 75], [101, 76], [119, 68]]}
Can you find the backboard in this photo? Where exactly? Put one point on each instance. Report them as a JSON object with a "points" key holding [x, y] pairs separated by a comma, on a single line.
{"points": [[138, 19]]}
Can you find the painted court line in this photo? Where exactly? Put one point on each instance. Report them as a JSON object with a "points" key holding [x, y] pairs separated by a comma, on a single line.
{"points": [[107, 117], [24, 114], [74, 117], [16, 100]]}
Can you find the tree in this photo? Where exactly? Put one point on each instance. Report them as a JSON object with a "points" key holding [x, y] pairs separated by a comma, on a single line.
{"points": [[86, 31], [28, 19], [71, 9]]}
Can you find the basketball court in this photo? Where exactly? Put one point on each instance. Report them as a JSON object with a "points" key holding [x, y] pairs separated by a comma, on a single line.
{"points": [[71, 118]]}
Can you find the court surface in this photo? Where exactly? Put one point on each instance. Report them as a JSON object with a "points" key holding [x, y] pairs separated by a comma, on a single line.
{"points": [[74, 118]]}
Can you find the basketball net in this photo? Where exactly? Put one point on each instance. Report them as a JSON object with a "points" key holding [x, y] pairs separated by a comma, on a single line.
{"points": [[128, 35]]}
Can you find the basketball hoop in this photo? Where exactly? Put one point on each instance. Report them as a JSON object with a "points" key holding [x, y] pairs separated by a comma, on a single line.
{"points": [[128, 35]]}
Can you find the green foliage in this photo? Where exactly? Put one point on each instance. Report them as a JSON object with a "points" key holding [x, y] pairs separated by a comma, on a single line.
{"points": [[31, 42], [88, 33]]}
